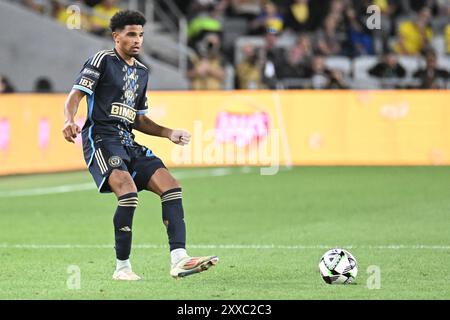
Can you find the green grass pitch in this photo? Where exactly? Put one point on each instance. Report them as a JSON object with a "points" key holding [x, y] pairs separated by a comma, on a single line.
{"points": [[269, 232]]}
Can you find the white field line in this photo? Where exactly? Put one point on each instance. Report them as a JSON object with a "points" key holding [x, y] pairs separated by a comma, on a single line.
{"points": [[229, 246], [186, 174], [48, 190]]}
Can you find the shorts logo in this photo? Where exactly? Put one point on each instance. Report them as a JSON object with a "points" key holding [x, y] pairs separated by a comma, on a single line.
{"points": [[114, 161]]}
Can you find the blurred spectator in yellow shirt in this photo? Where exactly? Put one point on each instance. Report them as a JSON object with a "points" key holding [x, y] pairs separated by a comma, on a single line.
{"points": [[415, 36], [268, 21], [103, 12], [382, 4], [298, 16], [249, 70], [206, 70]]}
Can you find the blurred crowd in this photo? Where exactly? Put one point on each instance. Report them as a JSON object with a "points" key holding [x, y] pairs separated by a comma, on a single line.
{"points": [[41, 85], [290, 42], [95, 15], [94, 19], [298, 36]]}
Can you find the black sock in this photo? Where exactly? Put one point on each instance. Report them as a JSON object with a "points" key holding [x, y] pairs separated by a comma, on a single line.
{"points": [[173, 218], [123, 221]]}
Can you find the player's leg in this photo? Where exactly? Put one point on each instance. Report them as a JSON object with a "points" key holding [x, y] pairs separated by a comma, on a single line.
{"points": [[122, 184], [169, 189], [109, 165]]}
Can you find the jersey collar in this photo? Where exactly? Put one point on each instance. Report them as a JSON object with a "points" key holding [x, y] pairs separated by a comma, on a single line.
{"points": [[121, 59]]}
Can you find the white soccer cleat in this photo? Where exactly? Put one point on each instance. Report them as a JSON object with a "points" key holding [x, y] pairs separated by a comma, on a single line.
{"points": [[125, 274], [192, 265]]}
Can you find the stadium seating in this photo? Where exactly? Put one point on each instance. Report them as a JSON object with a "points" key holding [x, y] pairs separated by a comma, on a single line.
{"points": [[340, 63], [167, 50]]}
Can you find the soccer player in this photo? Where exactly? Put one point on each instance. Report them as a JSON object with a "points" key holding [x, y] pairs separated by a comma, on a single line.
{"points": [[115, 84]]}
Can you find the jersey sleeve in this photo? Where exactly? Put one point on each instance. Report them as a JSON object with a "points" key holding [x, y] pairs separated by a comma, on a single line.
{"points": [[89, 76], [142, 107]]}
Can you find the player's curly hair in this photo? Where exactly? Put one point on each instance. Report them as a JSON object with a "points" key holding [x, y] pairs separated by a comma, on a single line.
{"points": [[125, 18]]}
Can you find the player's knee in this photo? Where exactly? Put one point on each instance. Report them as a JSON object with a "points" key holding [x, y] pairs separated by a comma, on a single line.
{"points": [[127, 187], [121, 182], [172, 184], [176, 183]]}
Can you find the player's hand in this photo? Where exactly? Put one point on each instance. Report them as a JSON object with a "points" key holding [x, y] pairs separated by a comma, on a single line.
{"points": [[180, 137], [70, 131]]}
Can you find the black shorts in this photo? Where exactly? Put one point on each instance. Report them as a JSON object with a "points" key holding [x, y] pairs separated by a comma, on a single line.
{"points": [[138, 160]]}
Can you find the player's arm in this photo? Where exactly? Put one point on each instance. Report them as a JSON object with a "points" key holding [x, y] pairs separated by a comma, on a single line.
{"points": [[71, 129], [85, 84], [145, 125]]}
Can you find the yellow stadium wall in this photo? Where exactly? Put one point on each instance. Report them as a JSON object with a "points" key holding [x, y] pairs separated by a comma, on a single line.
{"points": [[248, 128]]}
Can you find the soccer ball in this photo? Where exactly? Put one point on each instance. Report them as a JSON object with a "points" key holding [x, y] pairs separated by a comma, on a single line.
{"points": [[338, 266]]}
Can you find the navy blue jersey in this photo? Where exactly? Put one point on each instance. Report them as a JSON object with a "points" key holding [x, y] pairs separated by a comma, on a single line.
{"points": [[115, 96]]}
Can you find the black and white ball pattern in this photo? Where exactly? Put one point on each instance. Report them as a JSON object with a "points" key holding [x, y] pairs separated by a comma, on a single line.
{"points": [[338, 266]]}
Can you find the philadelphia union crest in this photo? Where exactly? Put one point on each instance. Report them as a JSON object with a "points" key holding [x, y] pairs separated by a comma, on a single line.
{"points": [[115, 161]]}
